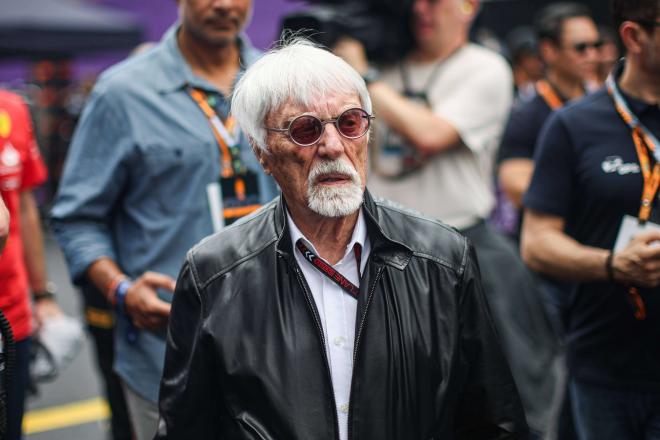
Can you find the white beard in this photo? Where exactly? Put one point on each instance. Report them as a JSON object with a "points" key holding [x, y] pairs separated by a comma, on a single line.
{"points": [[334, 201]]}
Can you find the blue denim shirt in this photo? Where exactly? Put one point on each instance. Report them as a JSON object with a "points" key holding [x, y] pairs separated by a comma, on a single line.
{"points": [[134, 183]]}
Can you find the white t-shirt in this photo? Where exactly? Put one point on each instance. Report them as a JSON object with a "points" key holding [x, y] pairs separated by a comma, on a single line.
{"points": [[473, 91]]}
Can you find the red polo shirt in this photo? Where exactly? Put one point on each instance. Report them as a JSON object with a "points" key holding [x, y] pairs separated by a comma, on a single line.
{"points": [[21, 168]]}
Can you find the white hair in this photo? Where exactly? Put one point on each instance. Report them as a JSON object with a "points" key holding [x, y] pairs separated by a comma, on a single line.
{"points": [[299, 72]]}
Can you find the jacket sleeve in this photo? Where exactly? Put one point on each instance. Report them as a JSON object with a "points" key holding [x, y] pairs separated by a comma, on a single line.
{"points": [[188, 390], [489, 407]]}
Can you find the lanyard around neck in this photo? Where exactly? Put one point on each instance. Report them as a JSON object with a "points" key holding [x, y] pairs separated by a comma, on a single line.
{"points": [[230, 162], [329, 271], [424, 94], [644, 142], [549, 94]]}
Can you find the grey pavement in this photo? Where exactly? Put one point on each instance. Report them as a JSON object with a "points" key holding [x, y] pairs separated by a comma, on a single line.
{"points": [[80, 381]]}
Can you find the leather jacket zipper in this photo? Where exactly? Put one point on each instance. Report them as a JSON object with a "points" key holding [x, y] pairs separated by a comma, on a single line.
{"points": [[372, 289], [317, 320]]}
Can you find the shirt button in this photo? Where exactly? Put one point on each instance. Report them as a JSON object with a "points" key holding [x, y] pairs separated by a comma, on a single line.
{"points": [[339, 341], [344, 408]]}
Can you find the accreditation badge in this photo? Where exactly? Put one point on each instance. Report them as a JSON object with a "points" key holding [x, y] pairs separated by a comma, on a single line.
{"points": [[631, 228], [231, 198]]}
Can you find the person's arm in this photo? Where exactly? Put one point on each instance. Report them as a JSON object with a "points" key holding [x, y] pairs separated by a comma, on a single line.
{"points": [[489, 406], [4, 224], [95, 175], [35, 261], [188, 374], [514, 177], [548, 250], [426, 131]]}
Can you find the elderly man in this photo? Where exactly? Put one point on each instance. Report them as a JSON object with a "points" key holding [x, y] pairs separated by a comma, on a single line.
{"points": [[327, 314]]}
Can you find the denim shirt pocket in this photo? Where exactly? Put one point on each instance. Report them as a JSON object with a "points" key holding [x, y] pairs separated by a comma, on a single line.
{"points": [[178, 176]]}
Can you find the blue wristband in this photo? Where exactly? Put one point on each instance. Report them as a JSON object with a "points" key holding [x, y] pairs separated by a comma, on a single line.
{"points": [[120, 294]]}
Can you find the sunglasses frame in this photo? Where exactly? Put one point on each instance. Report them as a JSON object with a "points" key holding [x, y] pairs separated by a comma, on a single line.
{"points": [[583, 46], [323, 122]]}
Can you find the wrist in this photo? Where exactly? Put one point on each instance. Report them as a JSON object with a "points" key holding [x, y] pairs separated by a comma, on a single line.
{"points": [[120, 294], [609, 267], [47, 293]]}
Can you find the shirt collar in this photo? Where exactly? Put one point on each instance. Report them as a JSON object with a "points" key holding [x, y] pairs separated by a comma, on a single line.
{"points": [[359, 234], [178, 73], [637, 106]]}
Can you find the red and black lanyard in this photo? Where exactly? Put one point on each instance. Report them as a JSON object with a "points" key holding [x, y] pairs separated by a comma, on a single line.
{"points": [[645, 142], [329, 271]]}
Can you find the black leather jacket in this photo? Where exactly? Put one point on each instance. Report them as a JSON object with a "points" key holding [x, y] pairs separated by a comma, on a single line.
{"points": [[245, 349]]}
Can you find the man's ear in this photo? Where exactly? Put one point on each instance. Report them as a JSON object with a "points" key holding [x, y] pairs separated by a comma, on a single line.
{"points": [[631, 35], [262, 157]]}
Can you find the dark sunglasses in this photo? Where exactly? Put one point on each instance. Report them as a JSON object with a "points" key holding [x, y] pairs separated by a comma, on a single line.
{"points": [[583, 46], [306, 130]]}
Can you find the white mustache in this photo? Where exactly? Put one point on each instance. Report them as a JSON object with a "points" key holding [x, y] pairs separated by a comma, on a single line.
{"points": [[333, 167]]}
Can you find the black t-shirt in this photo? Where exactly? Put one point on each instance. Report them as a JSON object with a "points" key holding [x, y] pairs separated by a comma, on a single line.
{"points": [[588, 173], [522, 129]]}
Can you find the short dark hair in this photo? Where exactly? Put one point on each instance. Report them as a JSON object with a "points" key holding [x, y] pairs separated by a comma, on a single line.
{"points": [[634, 10], [550, 20]]}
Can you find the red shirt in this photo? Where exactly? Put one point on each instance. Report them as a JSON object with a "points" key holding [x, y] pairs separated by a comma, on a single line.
{"points": [[21, 168]]}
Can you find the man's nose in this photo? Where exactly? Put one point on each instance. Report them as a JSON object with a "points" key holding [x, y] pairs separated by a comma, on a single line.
{"points": [[331, 144]]}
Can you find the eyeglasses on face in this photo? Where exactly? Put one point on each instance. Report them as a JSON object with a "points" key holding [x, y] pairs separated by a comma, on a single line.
{"points": [[582, 46], [306, 130]]}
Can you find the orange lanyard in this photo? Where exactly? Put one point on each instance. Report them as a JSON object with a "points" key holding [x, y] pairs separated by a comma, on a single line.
{"points": [[644, 142], [221, 131], [545, 90]]}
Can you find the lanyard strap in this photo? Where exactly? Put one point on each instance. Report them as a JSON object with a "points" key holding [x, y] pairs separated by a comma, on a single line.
{"points": [[644, 142], [230, 163], [549, 95], [424, 94], [329, 271]]}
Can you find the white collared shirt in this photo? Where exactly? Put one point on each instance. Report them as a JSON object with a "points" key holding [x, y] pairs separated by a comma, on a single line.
{"points": [[337, 310]]}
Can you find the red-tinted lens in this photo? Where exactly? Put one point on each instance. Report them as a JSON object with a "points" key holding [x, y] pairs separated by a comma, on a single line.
{"points": [[305, 130], [353, 123]]}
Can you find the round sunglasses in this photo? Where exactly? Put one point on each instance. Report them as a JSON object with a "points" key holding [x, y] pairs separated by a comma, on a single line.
{"points": [[306, 130]]}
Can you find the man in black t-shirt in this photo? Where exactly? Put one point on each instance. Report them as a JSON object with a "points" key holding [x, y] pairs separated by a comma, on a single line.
{"points": [[591, 171], [568, 42]]}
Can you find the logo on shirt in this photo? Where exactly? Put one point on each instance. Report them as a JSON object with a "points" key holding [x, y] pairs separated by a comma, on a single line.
{"points": [[5, 124], [615, 164], [10, 167]]}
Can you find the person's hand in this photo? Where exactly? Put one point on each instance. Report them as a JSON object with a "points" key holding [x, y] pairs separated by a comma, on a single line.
{"points": [[4, 224], [639, 262], [142, 303], [43, 310], [352, 51]]}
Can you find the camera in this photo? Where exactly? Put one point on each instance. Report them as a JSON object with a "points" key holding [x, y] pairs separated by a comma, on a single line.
{"points": [[383, 27]]}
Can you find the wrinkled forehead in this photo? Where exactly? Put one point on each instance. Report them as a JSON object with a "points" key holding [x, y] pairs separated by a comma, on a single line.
{"points": [[323, 105]]}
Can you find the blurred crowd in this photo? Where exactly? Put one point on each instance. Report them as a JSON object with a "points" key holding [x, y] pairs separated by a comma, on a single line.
{"points": [[544, 155]]}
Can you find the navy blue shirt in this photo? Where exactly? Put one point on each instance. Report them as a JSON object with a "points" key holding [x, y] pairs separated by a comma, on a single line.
{"points": [[523, 128], [587, 172]]}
